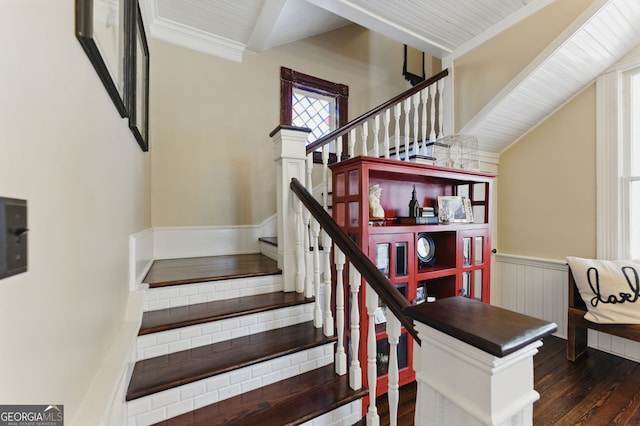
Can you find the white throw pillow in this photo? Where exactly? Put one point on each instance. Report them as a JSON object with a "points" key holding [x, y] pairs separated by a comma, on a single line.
{"points": [[609, 288]]}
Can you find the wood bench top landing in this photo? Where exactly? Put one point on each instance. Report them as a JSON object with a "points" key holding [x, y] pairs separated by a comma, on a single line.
{"points": [[491, 329]]}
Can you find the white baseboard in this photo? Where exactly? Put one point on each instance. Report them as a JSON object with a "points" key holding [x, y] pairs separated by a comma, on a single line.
{"points": [[104, 403], [141, 248]]}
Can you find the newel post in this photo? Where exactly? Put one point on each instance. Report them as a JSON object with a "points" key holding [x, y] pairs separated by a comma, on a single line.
{"points": [[475, 363], [290, 157]]}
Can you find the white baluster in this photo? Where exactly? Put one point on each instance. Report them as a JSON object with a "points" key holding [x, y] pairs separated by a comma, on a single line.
{"points": [[387, 119], [432, 124], [341, 356], [325, 176], [407, 139], [317, 314], [416, 121], [376, 141], [393, 334], [308, 285], [328, 315], [440, 108], [299, 227], [355, 372], [424, 94], [352, 143], [397, 110], [365, 135], [373, 419]]}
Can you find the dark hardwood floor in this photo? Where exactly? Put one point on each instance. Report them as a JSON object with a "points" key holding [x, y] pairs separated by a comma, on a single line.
{"points": [[597, 390]]}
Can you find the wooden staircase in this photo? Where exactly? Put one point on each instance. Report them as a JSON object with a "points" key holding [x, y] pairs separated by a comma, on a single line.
{"points": [[221, 343]]}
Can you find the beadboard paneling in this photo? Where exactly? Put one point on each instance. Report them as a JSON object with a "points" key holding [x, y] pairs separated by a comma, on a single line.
{"points": [[538, 287]]}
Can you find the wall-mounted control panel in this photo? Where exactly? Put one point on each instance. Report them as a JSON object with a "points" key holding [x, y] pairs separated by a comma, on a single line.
{"points": [[13, 236]]}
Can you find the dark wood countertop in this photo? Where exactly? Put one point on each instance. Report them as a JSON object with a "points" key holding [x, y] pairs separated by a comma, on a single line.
{"points": [[489, 328]]}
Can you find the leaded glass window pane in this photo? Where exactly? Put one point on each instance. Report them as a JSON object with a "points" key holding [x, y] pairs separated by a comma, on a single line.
{"points": [[313, 111]]}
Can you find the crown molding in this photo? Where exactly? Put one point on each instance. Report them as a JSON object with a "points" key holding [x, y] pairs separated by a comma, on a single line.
{"points": [[187, 36]]}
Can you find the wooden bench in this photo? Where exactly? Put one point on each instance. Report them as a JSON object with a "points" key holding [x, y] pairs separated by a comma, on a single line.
{"points": [[577, 326]]}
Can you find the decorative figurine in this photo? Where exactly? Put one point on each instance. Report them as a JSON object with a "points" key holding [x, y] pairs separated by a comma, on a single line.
{"points": [[375, 208], [414, 207]]}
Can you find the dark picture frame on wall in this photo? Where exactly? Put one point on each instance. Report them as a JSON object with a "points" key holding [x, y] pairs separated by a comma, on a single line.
{"points": [[138, 81], [413, 68], [101, 29]]}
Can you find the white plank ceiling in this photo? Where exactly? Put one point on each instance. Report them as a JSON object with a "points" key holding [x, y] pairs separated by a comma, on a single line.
{"points": [[442, 28], [595, 41]]}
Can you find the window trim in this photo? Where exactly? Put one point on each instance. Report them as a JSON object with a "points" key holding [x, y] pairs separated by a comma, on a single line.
{"points": [[612, 200], [290, 79]]}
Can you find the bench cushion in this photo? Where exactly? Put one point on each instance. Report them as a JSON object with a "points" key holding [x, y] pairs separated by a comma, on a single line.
{"points": [[610, 289]]}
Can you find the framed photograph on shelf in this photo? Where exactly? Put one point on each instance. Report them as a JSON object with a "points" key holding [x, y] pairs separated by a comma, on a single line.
{"points": [[101, 29], [451, 208], [468, 209], [138, 82]]}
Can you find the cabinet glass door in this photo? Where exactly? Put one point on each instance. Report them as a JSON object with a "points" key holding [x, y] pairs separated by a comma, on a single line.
{"points": [[474, 277]]}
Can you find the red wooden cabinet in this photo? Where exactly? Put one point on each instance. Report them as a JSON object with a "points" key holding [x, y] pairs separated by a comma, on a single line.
{"points": [[460, 250]]}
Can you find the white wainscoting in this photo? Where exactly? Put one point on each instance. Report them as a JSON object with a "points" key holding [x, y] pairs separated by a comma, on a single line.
{"points": [[535, 287], [197, 241], [538, 287]]}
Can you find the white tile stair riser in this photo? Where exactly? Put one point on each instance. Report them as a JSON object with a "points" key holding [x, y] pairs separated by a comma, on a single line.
{"points": [[179, 400], [191, 294], [164, 342], [346, 415]]}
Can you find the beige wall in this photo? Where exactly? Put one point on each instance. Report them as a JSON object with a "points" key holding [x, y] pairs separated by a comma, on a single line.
{"points": [[212, 156], [483, 72], [65, 149], [547, 186]]}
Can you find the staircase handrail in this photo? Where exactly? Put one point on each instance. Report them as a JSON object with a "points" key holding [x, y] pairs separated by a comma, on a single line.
{"points": [[375, 111], [388, 293]]}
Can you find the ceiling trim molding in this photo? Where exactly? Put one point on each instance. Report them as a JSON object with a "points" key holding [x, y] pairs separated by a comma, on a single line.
{"points": [[263, 29], [189, 37], [368, 19], [503, 25], [631, 60]]}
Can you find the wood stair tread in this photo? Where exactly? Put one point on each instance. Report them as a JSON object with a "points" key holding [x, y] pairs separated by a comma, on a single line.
{"points": [[182, 316], [167, 272], [167, 371], [291, 401]]}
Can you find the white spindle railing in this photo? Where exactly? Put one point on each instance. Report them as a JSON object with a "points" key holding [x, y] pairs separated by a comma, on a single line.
{"points": [[341, 355], [417, 120], [373, 419], [355, 371], [393, 397]]}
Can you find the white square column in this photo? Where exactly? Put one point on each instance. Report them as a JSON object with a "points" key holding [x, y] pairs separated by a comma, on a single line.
{"points": [[290, 156], [459, 384], [474, 364]]}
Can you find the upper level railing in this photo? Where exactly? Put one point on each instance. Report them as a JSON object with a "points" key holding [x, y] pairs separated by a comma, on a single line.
{"points": [[418, 117]]}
